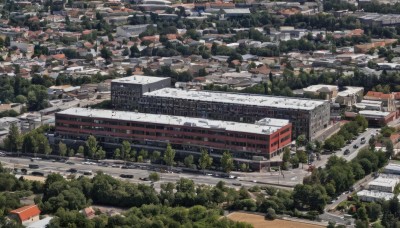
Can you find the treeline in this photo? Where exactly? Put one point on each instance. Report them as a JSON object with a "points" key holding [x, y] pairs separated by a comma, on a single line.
{"points": [[104, 190], [377, 7], [20, 90], [149, 216], [34, 141]]}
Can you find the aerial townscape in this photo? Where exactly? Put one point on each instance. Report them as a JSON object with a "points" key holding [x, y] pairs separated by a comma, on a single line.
{"points": [[203, 114]]}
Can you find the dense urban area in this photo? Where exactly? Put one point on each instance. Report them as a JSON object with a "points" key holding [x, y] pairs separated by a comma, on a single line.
{"points": [[181, 113]]}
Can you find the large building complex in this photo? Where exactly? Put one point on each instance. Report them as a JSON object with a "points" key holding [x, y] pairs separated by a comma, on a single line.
{"points": [[265, 138], [307, 116], [126, 91], [151, 95]]}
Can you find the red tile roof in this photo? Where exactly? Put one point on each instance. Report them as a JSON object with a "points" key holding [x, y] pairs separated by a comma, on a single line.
{"points": [[27, 212], [379, 95]]}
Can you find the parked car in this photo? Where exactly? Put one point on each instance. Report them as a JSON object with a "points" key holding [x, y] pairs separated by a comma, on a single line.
{"points": [[346, 152], [355, 146]]}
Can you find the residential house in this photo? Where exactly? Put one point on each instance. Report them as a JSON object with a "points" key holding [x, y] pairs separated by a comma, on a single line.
{"points": [[26, 214]]}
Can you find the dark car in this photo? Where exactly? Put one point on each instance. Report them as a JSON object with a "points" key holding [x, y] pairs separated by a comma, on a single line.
{"points": [[126, 176], [144, 178], [72, 170], [70, 163], [346, 152], [39, 174], [355, 146]]}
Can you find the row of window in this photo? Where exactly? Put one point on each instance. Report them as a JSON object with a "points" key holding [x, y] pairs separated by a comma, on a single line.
{"points": [[152, 126]]}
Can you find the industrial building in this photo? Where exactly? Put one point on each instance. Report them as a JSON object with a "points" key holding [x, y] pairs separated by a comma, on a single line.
{"points": [[392, 168], [373, 195], [262, 139], [383, 184]]}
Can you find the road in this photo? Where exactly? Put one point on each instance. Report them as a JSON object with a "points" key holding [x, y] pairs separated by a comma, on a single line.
{"points": [[353, 151], [47, 166]]}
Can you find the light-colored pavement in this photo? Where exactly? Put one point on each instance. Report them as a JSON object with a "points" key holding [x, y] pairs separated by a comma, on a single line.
{"points": [[47, 166]]}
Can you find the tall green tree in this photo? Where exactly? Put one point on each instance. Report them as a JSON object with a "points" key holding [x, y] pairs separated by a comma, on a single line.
{"points": [[227, 162], [71, 152], [125, 149], [205, 160], [13, 141], [81, 150], [91, 146], [169, 156], [155, 156], [43, 144], [286, 155], [188, 161], [117, 153], [62, 149]]}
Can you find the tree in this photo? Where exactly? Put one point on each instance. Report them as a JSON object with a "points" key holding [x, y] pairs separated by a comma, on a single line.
{"points": [[129, 72], [43, 144], [62, 149], [244, 167], [270, 215], [71, 152], [106, 54], [117, 153], [286, 155], [295, 161], [374, 211], [205, 160], [169, 156], [301, 140], [100, 153], [302, 156], [362, 213], [227, 162], [125, 149], [13, 141], [91, 145], [81, 150], [389, 148], [188, 161], [155, 156], [372, 142], [154, 177]]}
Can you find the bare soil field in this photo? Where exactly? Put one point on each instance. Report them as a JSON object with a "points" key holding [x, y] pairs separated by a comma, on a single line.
{"points": [[258, 221]]}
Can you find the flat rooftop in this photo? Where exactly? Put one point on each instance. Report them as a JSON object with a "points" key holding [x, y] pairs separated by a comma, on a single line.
{"points": [[376, 194], [139, 80], [384, 182], [266, 127], [238, 98], [373, 113], [392, 167]]}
